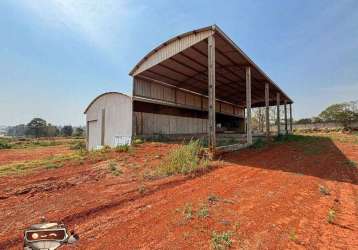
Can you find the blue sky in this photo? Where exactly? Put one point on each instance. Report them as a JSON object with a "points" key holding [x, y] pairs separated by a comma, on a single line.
{"points": [[57, 55]]}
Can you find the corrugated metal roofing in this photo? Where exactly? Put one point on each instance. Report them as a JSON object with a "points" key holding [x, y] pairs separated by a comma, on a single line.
{"points": [[182, 62]]}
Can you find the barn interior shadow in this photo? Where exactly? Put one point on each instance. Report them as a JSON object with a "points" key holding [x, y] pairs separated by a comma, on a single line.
{"points": [[302, 155]]}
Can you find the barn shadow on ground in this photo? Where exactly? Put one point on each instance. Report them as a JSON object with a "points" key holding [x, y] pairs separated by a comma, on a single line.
{"points": [[306, 155]]}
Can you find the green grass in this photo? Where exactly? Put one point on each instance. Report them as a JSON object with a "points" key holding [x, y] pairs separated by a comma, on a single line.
{"points": [[309, 144], [258, 144], [24, 143], [52, 162], [184, 159], [4, 145], [221, 241], [295, 138], [53, 165]]}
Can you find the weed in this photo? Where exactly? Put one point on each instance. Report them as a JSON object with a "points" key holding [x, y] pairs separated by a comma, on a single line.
{"points": [[183, 160], [292, 235], [188, 211], [53, 165], [331, 216], [112, 166], [20, 167], [122, 148], [203, 212], [294, 138], [213, 198], [148, 175], [351, 164], [220, 241], [324, 190], [258, 144], [137, 141], [142, 189]]}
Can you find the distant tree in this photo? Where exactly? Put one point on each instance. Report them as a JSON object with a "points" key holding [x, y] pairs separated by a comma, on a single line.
{"points": [[317, 119], [36, 127], [273, 115], [258, 119], [67, 130], [342, 112], [52, 130], [79, 131], [304, 121]]}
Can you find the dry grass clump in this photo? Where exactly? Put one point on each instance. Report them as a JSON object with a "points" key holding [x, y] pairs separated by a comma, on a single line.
{"points": [[221, 241], [185, 159]]}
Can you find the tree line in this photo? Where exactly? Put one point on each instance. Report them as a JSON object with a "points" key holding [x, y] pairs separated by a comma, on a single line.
{"points": [[344, 113], [38, 127]]}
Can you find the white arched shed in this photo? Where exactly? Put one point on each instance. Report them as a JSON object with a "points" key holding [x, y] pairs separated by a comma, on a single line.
{"points": [[109, 120]]}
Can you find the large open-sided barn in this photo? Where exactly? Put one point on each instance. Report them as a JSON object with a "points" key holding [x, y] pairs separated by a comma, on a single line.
{"points": [[198, 84]]}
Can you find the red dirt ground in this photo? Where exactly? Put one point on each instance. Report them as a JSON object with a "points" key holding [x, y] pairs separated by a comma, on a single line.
{"points": [[264, 196], [12, 155]]}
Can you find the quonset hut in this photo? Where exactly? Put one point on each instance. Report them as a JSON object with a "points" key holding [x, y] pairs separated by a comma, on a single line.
{"points": [[200, 84]]}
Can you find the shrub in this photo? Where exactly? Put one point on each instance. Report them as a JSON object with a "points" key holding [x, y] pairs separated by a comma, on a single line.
{"points": [[4, 145], [137, 141], [259, 143], [122, 148], [351, 163], [183, 160], [221, 241]]}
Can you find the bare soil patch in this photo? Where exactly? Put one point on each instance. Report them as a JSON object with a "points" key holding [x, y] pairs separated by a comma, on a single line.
{"points": [[26, 154], [267, 198]]}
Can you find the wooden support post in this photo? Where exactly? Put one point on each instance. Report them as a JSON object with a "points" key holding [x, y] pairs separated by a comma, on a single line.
{"points": [[248, 105], [291, 120], [285, 114], [278, 113], [267, 116], [211, 99]]}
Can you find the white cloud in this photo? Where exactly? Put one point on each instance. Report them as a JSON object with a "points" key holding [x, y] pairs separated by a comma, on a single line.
{"points": [[98, 22]]}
